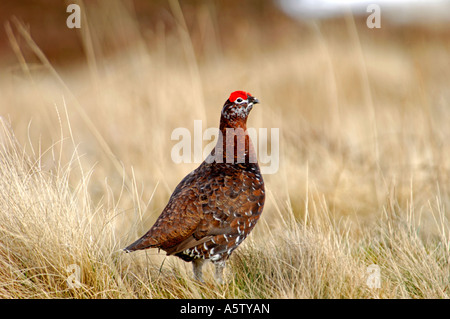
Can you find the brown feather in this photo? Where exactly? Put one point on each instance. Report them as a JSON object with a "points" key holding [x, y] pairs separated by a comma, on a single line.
{"points": [[215, 207]]}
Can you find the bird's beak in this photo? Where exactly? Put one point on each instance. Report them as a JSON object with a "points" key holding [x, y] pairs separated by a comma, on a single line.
{"points": [[253, 100]]}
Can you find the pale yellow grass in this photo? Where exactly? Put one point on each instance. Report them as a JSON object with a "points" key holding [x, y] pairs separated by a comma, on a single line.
{"points": [[363, 179]]}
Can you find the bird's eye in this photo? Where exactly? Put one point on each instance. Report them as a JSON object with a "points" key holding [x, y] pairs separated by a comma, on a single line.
{"points": [[239, 100]]}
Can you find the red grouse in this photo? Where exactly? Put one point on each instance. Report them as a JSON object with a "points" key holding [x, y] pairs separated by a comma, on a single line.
{"points": [[215, 207]]}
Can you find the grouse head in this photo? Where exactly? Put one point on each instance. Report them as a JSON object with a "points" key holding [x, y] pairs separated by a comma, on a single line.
{"points": [[237, 108]]}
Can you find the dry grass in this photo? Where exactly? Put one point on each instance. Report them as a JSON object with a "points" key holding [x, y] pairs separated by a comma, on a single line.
{"points": [[364, 172]]}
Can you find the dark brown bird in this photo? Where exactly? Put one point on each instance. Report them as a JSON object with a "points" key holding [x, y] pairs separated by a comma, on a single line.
{"points": [[215, 207]]}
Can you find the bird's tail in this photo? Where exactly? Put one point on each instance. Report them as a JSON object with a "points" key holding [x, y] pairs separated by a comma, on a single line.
{"points": [[142, 243]]}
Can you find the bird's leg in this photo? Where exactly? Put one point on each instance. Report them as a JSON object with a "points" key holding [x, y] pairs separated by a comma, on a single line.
{"points": [[197, 265], [220, 266]]}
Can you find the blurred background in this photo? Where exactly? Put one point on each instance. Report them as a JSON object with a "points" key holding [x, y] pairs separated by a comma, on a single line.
{"points": [[363, 113], [223, 19]]}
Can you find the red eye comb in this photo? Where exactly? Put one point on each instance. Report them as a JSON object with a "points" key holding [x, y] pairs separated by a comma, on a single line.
{"points": [[237, 94]]}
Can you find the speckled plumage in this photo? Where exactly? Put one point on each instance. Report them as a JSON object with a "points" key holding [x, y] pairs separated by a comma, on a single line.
{"points": [[215, 207]]}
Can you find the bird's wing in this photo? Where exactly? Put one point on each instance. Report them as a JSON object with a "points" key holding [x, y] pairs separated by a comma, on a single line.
{"points": [[207, 203], [226, 204]]}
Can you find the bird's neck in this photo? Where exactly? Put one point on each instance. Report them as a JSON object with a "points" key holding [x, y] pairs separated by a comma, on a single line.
{"points": [[233, 123], [234, 145]]}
